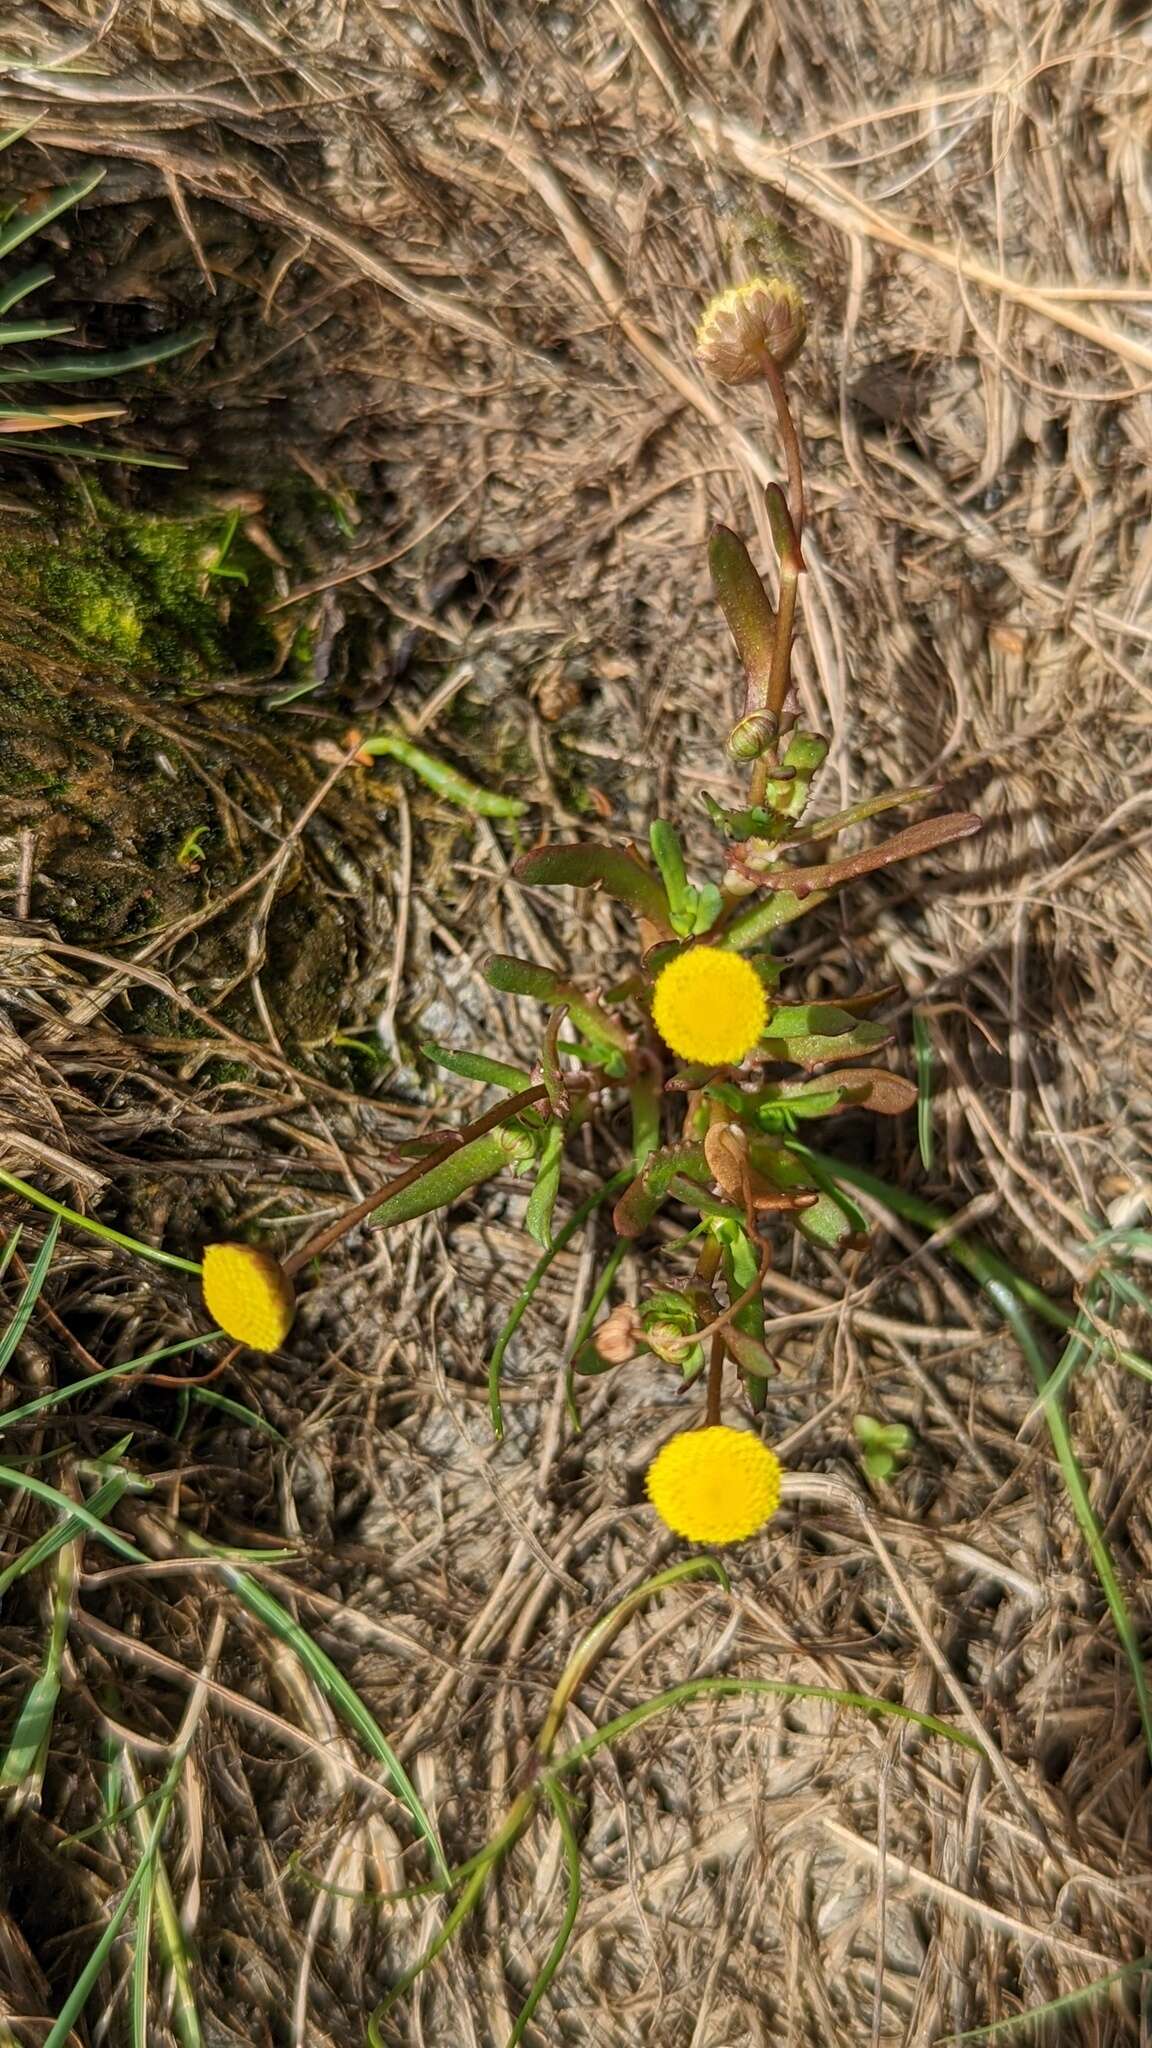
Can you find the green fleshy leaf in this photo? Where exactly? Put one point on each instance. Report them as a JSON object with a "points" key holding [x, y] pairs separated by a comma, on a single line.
{"points": [[542, 1201], [753, 1360], [709, 904], [476, 1066], [13, 331], [885, 1445], [524, 978], [668, 855], [815, 1049], [745, 1332], [746, 605], [445, 780], [613, 868], [801, 1020], [833, 1218]]}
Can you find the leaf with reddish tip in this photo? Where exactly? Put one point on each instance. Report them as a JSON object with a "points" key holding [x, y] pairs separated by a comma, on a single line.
{"points": [[832, 1218], [611, 868], [823, 828], [916, 839], [749, 1354], [782, 530], [515, 977], [816, 1048], [874, 1088], [746, 606]]}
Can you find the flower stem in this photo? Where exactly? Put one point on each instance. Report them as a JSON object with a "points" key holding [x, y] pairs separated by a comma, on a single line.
{"points": [[715, 1381], [774, 378], [502, 1113]]}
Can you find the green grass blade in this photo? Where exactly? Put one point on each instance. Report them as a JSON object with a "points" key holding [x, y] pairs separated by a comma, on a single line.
{"points": [[21, 420], [925, 1060], [975, 1257], [85, 1984], [209, 1398], [32, 330], [591, 1645], [22, 1768], [598, 1297], [30, 1295], [94, 1229], [1017, 1319], [12, 135], [559, 1802], [456, 1918], [18, 287], [732, 1688], [46, 1546], [39, 444], [999, 2030], [74, 369], [18, 231], [75, 1510], [335, 1687], [1014, 1296], [523, 1300], [141, 1955], [164, 1918], [55, 1395], [11, 1247]]}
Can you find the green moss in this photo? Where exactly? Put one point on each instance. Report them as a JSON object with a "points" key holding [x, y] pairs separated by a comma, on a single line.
{"points": [[128, 773], [142, 589], [118, 626]]}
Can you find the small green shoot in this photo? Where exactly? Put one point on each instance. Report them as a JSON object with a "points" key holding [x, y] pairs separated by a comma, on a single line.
{"points": [[925, 1061], [885, 1445], [444, 780], [29, 1296]]}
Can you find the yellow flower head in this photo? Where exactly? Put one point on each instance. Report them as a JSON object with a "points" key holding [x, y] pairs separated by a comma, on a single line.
{"points": [[766, 315], [248, 1295], [709, 1006], [715, 1485]]}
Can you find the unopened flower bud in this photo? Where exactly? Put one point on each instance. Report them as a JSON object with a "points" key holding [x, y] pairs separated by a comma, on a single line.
{"points": [[726, 1150], [668, 1342], [743, 324], [620, 1336], [753, 736]]}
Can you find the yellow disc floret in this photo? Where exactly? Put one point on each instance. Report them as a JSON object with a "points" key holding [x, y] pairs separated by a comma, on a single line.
{"points": [[715, 1485], [248, 1295], [709, 1006]]}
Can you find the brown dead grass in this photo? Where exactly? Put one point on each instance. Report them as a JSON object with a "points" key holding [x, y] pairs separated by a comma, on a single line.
{"points": [[519, 211]]}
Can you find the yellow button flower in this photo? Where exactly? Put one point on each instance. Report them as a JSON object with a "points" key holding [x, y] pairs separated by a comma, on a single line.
{"points": [[715, 1485], [709, 1006], [248, 1295]]}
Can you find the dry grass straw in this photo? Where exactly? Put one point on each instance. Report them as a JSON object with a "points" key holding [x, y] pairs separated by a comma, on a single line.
{"points": [[518, 212]]}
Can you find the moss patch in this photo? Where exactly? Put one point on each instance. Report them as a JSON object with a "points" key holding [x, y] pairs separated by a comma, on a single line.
{"points": [[140, 785]]}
